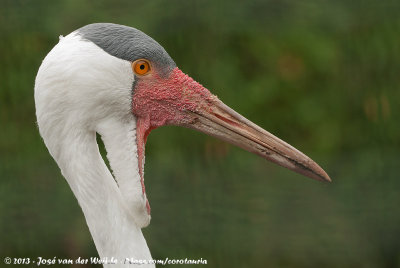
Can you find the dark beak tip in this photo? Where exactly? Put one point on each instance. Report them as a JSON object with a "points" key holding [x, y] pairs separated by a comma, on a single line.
{"points": [[313, 171], [322, 175], [327, 178]]}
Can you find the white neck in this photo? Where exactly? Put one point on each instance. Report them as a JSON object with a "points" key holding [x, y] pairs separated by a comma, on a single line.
{"points": [[81, 90], [114, 231]]}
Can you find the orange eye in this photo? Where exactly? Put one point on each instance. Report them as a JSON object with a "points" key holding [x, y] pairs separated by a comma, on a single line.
{"points": [[141, 67]]}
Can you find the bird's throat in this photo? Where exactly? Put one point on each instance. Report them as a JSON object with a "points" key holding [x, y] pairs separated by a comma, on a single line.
{"points": [[124, 141], [143, 129]]}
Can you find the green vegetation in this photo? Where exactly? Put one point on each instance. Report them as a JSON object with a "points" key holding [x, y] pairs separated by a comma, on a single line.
{"points": [[322, 75]]}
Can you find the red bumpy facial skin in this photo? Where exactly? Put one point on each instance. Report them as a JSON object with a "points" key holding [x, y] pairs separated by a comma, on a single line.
{"points": [[159, 101]]}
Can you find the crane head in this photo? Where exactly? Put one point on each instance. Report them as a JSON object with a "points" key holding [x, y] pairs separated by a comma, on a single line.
{"points": [[164, 95]]}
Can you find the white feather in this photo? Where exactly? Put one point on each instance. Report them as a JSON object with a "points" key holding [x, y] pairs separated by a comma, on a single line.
{"points": [[81, 90]]}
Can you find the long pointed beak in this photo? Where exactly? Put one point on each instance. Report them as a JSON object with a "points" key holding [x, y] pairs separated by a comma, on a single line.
{"points": [[220, 121]]}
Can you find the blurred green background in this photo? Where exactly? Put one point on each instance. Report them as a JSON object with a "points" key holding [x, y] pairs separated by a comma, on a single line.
{"points": [[322, 75]]}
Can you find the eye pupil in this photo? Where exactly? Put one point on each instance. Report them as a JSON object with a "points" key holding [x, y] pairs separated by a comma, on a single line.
{"points": [[142, 67]]}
